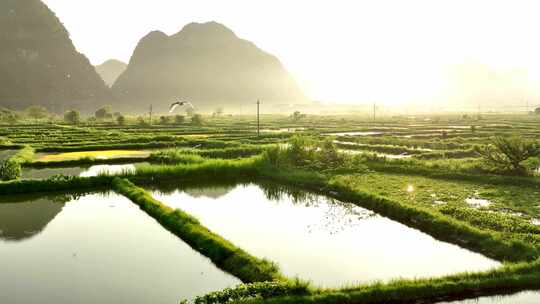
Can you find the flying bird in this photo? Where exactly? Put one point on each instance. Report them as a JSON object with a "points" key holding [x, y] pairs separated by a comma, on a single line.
{"points": [[179, 104]]}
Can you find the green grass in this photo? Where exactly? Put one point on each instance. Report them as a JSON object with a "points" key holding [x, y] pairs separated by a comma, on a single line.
{"points": [[428, 190]]}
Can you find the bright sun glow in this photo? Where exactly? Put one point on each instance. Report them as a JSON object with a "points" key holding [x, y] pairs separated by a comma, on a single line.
{"points": [[392, 52]]}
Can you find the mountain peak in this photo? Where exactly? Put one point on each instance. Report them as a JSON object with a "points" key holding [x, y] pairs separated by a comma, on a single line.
{"points": [[207, 64], [210, 30], [110, 70]]}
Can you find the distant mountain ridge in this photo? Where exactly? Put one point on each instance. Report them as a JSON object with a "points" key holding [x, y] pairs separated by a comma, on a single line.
{"points": [[110, 70], [39, 63], [205, 63]]}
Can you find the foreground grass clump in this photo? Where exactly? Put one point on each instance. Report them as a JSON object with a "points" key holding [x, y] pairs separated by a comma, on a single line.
{"points": [[222, 253], [11, 168], [259, 290]]}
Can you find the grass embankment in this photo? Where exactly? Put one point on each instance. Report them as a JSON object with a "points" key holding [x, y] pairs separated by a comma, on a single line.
{"points": [[63, 183], [507, 279], [453, 169], [222, 252], [174, 156]]}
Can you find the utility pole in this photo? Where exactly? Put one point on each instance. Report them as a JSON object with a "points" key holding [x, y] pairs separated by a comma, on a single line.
{"points": [[258, 118], [374, 110], [151, 110]]}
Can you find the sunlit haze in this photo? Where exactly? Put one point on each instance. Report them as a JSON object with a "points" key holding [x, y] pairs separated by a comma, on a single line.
{"points": [[392, 52]]}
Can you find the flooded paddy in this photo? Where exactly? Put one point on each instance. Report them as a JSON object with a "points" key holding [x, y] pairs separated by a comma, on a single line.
{"points": [[356, 133], [95, 248], [106, 154], [44, 173], [320, 239], [527, 297]]}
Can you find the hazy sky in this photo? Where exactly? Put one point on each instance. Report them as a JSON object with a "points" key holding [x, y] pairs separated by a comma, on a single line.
{"points": [[347, 51]]}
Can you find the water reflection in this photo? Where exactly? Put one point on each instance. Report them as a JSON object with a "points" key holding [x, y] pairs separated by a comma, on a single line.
{"points": [[210, 190], [100, 248], [24, 216], [321, 239], [528, 297], [20, 221], [44, 173]]}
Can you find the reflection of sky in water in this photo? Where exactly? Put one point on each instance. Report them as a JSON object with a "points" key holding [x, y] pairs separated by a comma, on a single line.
{"points": [[107, 169], [103, 249], [328, 242], [79, 171], [528, 297]]}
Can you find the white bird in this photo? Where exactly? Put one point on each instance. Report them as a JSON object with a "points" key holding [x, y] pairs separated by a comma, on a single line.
{"points": [[179, 104]]}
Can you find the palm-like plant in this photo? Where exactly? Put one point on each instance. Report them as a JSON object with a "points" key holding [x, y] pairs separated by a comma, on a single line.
{"points": [[508, 153]]}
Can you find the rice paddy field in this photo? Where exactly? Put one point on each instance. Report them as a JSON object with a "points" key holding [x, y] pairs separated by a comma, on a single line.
{"points": [[327, 209]]}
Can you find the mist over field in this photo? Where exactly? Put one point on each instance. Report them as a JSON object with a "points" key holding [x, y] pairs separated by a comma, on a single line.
{"points": [[341, 57]]}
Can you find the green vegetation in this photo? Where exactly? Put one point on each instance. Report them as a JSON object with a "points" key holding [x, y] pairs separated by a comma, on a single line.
{"points": [[11, 168], [422, 173], [508, 153], [72, 117]]}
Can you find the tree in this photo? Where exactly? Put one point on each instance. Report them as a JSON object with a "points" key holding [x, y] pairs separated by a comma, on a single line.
{"points": [[179, 119], [190, 111], [218, 112], [8, 116], [537, 111], [104, 113], [296, 116], [197, 120], [141, 121], [72, 117], [121, 120], [36, 112], [508, 153], [163, 120]]}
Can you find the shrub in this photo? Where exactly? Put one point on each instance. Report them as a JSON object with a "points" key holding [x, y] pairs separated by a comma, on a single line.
{"points": [[179, 119], [508, 153], [9, 170], [197, 120], [121, 120], [72, 117]]}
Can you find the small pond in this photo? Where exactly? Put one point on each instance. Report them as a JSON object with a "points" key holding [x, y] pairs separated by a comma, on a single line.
{"points": [[356, 133], [44, 173], [317, 238], [528, 297], [106, 154], [95, 248]]}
